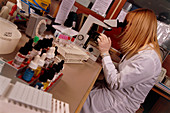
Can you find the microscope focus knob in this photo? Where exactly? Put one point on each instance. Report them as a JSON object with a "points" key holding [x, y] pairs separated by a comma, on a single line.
{"points": [[90, 49]]}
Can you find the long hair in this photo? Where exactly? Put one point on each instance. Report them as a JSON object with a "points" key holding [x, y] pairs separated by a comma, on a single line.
{"points": [[141, 30]]}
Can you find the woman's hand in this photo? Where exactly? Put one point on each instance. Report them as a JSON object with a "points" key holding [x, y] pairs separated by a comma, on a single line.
{"points": [[104, 44]]}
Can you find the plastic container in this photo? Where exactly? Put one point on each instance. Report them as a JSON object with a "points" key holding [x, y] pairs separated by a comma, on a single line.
{"points": [[41, 3], [9, 36]]}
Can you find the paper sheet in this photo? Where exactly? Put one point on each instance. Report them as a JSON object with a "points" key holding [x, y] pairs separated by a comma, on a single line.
{"points": [[65, 29], [64, 10], [101, 6], [84, 2]]}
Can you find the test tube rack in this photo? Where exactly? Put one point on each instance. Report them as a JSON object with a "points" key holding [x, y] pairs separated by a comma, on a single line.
{"points": [[22, 98]]}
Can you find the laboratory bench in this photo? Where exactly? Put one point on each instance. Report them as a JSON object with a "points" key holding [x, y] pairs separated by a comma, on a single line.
{"points": [[76, 82]]}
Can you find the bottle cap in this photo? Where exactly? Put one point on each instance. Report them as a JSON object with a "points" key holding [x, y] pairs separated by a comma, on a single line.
{"points": [[41, 60], [36, 87], [37, 47], [36, 38], [57, 70], [56, 52], [29, 46], [43, 51], [50, 42], [23, 50], [30, 41], [34, 63], [51, 74], [43, 77], [45, 43], [61, 64], [48, 80], [40, 43], [55, 67]]}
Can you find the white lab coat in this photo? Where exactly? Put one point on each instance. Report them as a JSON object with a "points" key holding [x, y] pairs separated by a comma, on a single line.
{"points": [[126, 86]]}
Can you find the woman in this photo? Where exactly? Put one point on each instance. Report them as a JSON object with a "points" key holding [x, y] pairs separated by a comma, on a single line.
{"points": [[137, 71]]}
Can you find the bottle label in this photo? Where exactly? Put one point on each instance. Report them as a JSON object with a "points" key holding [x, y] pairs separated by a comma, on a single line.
{"points": [[33, 54], [19, 58], [47, 63], [28, 75]]}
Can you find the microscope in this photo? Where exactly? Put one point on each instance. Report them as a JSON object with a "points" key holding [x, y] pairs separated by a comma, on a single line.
{"points": [[83, 37]]}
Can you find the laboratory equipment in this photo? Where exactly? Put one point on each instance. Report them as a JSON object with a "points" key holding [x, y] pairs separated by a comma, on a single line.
{"points": [[162, 81], [72, 54], [9, 11], [83, 38], [24, 7], [85, 28], [93, 52], [21, 98], [36, 26], [41, 63], [9, 36], [20, 56], [28, 74], [50, 57], [42, 4]]}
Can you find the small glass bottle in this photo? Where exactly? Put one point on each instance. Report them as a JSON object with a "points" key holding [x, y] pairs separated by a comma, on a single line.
{"points": [[30, 70], [57, 70], [40, 65], [44, 76], [38, 85], [20, 56], [60, 65], [30, 47], [35, 51], [46, 84], [51, 73], [50, 57]]}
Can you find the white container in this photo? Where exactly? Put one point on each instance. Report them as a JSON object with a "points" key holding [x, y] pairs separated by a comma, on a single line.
{"points": [[9, 36]]}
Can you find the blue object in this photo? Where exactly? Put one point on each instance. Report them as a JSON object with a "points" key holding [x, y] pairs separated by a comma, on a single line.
{"points": [[28, 74], [38, 6], [39, 85], [164, 85]]}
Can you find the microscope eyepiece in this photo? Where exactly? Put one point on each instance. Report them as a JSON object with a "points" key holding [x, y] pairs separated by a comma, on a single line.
{"points": [[121, 24]]}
